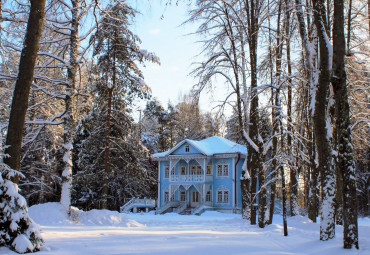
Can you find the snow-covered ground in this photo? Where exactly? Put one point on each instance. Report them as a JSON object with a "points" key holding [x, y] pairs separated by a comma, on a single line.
{"points": [[106, 232]]}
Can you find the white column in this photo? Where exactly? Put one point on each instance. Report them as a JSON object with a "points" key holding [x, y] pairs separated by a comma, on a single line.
{"points": [[204, 193], [169, 193], [188, 171], [170, 169], [204, 169]]}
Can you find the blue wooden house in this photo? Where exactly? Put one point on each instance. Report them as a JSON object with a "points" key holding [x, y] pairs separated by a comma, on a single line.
{"points": [[200, 175]]}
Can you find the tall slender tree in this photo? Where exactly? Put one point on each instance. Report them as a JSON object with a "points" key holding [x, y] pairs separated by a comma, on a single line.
{"points": [[321, 122], [16, 226], [345, 150]]}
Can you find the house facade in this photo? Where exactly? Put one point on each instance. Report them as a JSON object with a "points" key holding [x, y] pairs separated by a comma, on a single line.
{"points": [[200, 175]]}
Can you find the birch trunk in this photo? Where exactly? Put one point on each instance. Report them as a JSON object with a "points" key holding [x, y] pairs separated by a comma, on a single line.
{"points": [[274, 131], [68, 122], [309, 50], [324, 150], [293, 184]]}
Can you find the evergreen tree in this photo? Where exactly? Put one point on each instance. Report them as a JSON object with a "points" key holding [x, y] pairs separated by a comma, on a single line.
{"points": [[111, 141], [17, 230]]}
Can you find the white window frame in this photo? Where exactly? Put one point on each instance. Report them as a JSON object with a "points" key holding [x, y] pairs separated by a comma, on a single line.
{"points": [[166, 172], [222, 170], [182, 195], [209, 167], [196, 170], [195, 197], [193, 169], [173, 197], [181, 170], [199, 170], [187, 148], [166, 196], [226, 196], [208, 196], [219, 196], [223, 196], [225, 170]]}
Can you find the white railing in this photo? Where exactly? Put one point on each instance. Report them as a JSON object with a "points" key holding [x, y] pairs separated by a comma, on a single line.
{"points": [[187, 178], [138, 202], [127, 206], [167, 206]]}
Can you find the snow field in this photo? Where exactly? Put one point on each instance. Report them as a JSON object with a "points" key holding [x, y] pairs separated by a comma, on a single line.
{"points": [[111, 233]]}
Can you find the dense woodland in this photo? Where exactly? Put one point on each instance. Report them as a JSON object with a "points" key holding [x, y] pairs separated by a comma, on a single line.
{"points": [[297, 81]]}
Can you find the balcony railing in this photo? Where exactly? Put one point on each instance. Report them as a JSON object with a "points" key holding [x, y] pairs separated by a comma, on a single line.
{"points": [[187, 178]]}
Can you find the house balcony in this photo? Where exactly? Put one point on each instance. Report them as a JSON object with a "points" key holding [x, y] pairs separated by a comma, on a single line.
{"points": [[187, 178]]}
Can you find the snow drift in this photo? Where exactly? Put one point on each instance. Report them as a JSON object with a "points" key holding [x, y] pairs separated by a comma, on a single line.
{"points": [[53, 214]]}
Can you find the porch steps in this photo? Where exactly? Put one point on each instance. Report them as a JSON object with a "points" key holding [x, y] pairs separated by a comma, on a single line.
{"points": [[168, 207], [201, 209], [136, 203], [186, 211]]}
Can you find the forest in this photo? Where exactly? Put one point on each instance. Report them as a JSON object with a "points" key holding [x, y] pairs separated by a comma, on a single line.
{"points": [[294, 73]]}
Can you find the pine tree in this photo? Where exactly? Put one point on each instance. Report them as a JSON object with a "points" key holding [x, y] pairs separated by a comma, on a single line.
{"points": [[17, 230], [109, 129]]}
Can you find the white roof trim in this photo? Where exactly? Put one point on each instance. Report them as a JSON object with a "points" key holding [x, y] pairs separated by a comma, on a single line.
{"points": [[181, 143]]}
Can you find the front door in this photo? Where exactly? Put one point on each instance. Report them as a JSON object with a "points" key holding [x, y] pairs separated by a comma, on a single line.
{"points": [[194, 199]]}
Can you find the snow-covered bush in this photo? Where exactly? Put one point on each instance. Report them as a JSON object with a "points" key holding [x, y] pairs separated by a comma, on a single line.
{"points": [[17, 230]]}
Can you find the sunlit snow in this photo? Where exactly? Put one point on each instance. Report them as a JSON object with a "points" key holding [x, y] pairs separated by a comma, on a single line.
{"points": [[108, 232]]}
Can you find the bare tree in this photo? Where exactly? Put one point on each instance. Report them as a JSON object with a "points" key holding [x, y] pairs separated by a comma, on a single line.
{"points": [[345, 150], [13, 229]]}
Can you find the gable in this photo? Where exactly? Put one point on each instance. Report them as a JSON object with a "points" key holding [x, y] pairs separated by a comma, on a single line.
{"points": [[181, 150], [208, 147]]}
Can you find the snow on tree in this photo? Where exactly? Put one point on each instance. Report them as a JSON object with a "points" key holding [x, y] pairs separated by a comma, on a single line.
{"points": [[17, 230], [118, 83], [345, 157]]}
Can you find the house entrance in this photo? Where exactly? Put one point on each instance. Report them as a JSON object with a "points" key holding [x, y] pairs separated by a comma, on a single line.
{"points": [[194, 199]]}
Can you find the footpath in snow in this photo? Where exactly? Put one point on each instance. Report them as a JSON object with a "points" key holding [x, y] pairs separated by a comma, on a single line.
{"points": [[104, 232]]}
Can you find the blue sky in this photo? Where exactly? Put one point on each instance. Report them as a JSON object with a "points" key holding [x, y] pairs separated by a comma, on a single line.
{"points": [[172, 44]]}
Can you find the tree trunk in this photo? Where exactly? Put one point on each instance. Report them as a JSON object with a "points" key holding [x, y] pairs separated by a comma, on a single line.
{"points": [[282, 176], [23, 85], [107, 134], [339, 192], [314, 173], [15, 222], [324, 151], [368, 14], [68, 121], [345, 150], [310, 55], [274, 138], [293, 184], [246, 197], [254, 157]]}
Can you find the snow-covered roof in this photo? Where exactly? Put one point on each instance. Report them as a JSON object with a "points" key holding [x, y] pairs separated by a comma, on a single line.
{"points": [[209, 146]]}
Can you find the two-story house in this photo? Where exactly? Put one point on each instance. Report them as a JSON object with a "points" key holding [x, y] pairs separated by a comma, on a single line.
{"points": [[201, 175]]}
